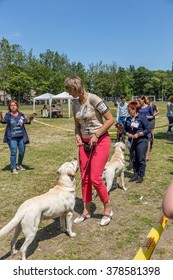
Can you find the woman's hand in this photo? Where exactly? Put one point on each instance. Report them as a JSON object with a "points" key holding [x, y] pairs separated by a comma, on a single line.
{"points": [[30, 119], [129, 135], [93, 140], [150, 117], [136, 135], [78, 140]]}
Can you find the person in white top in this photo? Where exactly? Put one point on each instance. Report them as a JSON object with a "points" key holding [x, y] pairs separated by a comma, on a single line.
{"points": [[93, 141]]}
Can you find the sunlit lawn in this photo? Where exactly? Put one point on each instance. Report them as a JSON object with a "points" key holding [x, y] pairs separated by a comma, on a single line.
{"points": [[52, 142]]}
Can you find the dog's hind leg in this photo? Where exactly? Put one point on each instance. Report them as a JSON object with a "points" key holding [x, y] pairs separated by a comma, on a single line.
{"points": [[29, 238], [30, 235], [29, 228], [17, 231], [109, 178], [69, 224], [122, 181]]}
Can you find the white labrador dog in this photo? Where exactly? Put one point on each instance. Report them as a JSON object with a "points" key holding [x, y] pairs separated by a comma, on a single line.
{"points": [[114, 169], [57, 202]]}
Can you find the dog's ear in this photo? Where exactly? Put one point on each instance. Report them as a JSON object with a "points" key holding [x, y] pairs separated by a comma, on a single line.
{"points": [[58, 171], [123, 146], [116, 144], [71, 173]]}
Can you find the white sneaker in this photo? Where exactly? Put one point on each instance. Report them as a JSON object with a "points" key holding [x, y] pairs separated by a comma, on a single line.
{"points": [[82, 218], [106, 219], [20, 167]]}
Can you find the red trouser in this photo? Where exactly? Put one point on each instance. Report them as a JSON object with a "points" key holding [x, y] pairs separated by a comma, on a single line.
{"points": [[91, 168]]}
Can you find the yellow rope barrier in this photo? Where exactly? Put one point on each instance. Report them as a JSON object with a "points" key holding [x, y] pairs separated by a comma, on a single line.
{"points": [[53, 126], [145, 251]]}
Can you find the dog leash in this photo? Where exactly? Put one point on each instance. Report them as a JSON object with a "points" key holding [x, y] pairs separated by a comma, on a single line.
{"points": [[130, 160], [165, 125], [84, 169]]}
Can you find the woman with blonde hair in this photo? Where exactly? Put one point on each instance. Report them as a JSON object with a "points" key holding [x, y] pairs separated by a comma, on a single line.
{"points": [[93, 141]]}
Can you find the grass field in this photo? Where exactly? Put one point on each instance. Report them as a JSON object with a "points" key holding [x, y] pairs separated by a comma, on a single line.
{"points": [[52, 142]]}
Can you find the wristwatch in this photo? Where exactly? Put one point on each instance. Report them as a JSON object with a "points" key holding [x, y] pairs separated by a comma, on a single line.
{"points": [[97, 135]]}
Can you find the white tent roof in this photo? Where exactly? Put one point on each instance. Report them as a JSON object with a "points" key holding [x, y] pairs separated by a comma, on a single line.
{"points": [[49, 97], [62, 95], [45, 96]]}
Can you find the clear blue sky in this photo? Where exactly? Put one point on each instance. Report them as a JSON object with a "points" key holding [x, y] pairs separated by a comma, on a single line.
{"points": [[128, 32]]}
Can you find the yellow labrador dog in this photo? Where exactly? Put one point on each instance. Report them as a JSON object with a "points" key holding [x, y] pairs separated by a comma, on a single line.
{"points": [[57, 202], [114, 169]]}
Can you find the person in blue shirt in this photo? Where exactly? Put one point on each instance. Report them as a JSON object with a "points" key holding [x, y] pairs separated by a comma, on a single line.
{"points": [[15, 134], [122, 110], [137, 128]]}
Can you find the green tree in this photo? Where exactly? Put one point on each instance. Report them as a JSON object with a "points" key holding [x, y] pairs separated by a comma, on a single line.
{"points": [[5, 61], [20, 86], [141, 76], [123, 82]]}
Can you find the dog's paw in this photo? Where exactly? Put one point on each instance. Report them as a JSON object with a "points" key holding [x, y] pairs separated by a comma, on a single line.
{"points": [[125, 189], [72, 234], [14, 252]]}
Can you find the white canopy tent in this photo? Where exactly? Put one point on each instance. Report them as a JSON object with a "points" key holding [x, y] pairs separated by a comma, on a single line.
{"points": [[49, 97], [64, 95], [46, 96]]}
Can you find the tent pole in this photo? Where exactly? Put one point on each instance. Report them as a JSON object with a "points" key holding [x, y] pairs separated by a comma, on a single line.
{"points": [[33, 105], [50, 105]]}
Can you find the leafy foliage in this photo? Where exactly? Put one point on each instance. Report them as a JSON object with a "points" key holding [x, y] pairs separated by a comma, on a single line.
{"points": [[20, 73]]}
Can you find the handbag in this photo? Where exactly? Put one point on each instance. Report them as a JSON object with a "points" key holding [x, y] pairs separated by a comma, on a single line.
{"points": [[87, 147]]}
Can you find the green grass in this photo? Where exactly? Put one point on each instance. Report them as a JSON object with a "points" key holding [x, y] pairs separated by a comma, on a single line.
{"points": [[52, 142]]}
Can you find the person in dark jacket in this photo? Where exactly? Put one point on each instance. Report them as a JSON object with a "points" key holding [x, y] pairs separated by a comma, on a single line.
{"points": [[147, 111], [15, 134], [137, 127]]}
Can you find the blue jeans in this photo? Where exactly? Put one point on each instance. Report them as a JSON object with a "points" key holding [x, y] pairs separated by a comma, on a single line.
{"points": [[14, 145]]}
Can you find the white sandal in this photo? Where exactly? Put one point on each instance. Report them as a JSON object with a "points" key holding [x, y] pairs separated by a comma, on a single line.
{"points": [[82, 218], [106, 219]]}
